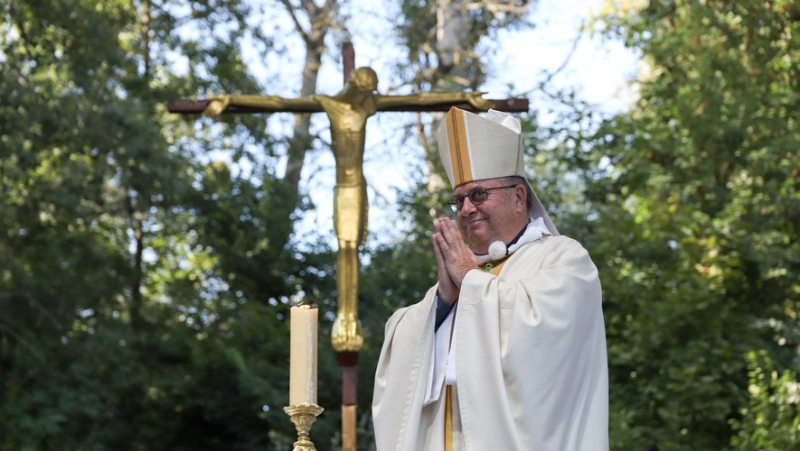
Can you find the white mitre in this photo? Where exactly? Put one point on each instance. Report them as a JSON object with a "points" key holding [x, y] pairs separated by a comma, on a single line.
{"points": [[476, 148]]}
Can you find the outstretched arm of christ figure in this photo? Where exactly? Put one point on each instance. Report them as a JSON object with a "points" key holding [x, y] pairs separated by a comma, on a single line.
{"points": [[218, 104], [434, 98]]}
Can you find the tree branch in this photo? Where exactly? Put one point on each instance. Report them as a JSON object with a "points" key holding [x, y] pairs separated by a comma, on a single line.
{"points": [[310, 7], [7, 330], [568, 57], [297, 25]]}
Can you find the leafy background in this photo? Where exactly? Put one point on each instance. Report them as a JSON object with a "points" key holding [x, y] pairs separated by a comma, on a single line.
{"points": [[144, 288]]}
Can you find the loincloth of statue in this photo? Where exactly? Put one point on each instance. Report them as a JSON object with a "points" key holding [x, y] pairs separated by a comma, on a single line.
{"points": [[350, 212]]}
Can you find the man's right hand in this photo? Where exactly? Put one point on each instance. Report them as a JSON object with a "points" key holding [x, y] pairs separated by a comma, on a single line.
{"points": [[216, 105], [448, 290]]}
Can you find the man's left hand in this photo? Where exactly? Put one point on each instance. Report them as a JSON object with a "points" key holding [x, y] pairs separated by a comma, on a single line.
{"points": [[458, 259]]}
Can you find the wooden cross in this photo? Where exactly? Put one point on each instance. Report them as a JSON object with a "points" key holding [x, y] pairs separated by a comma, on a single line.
{"points": [[348, 112]]}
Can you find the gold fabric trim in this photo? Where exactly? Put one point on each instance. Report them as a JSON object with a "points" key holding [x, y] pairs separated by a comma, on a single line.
{"points": [[494, 267], [459, 148], [448, 418]]}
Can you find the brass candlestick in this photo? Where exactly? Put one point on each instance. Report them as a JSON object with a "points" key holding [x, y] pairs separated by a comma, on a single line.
{"points": [[303, 416]]}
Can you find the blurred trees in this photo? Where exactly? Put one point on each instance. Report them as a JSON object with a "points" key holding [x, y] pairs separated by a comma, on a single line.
{"points": [[696, 213], [144, 288], [135, 297]]}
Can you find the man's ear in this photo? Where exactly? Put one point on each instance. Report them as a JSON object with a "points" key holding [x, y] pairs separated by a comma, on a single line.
{"points": [[520, 194]]}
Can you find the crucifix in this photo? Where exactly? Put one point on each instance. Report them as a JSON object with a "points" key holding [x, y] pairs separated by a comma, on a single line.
{"points": [[348, 112]]}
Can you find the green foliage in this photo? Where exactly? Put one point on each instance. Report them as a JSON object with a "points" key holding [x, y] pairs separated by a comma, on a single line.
{"points": [[772, 419], [144, 291], [138, 287], [697, 208]]}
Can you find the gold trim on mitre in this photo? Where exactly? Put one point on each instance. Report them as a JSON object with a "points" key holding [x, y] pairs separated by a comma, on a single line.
{"points": [[476, 147], [459, 145]]}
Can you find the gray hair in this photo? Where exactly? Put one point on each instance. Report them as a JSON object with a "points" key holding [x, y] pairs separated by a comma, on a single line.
{"points": [[517, 180]]}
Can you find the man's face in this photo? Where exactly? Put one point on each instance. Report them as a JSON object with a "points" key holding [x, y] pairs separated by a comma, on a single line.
{"points": [[500, 217]]}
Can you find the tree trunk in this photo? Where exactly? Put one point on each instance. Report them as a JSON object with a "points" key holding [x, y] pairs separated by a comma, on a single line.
{"points": [[314, 38]]}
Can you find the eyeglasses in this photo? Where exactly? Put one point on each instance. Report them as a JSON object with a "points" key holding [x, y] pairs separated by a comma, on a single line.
{"points": [[477, 196]]}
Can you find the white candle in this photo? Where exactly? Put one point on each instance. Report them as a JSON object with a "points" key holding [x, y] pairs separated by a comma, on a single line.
{"points": [[303, 356]]}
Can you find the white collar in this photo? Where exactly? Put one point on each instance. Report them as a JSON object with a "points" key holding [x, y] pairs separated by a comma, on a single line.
{"points": [[498, 250]]}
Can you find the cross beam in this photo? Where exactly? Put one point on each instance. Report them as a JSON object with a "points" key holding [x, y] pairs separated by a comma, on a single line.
{"points": [[513, 105]]}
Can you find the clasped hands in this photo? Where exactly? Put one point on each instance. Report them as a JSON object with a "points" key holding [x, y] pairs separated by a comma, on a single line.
{"points": [[453, 259]]}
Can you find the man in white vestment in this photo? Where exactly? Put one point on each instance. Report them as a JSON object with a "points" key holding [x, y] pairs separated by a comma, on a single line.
{"points": [[507, 351]]}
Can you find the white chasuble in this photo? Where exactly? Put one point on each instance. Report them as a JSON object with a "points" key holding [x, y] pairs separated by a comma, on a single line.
{"points": [[530, 360]]}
